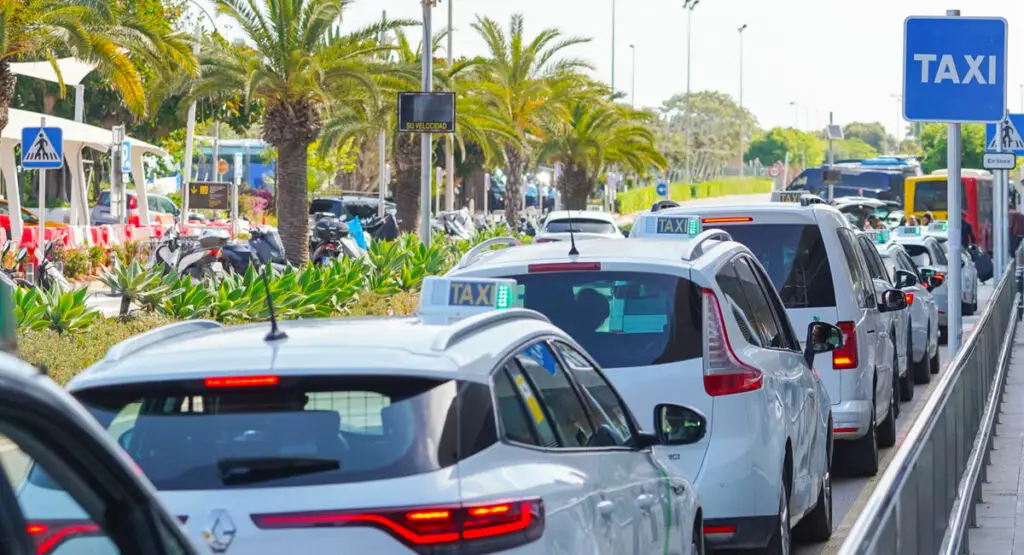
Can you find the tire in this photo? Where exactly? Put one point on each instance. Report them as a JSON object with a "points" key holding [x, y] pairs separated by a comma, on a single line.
{"points": [[922, 370], [782, 540], [907, 381], [887, 430], [816, 526], [934, 363], [697, 542], [943, 336]]}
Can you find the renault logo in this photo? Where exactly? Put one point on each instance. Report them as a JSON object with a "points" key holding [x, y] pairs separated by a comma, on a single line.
{"points": [[219, 531]]}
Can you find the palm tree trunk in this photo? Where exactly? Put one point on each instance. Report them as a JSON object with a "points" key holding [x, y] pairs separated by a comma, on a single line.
{"points": [[577, 186], [292, 200], [513, 187], [407, 181], [7, 82]]}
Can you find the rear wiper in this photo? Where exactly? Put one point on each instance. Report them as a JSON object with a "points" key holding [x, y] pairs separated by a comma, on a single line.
{"points": [[250, 470]]}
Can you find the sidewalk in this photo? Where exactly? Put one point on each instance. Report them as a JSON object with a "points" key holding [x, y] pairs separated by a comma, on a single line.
{"points": [[100, 299], [1000, 528]]}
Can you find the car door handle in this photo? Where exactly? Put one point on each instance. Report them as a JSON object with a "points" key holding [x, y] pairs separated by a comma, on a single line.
{"points": [[645, 501], [605, 508], [870, 331]]}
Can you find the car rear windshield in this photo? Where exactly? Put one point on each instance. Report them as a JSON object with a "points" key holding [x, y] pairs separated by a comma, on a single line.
{"points": [[795, 258], [579, 225], [325, 205], [622, 319], [919, 254], [300, 431]]}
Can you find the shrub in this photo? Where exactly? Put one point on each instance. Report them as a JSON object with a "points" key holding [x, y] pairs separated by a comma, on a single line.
{"points": [[637, 200], [98, 257], [130, 251], [77, 263]]}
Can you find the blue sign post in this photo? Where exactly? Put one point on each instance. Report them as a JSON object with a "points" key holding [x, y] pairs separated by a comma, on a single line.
{"points": [[42, 148], [661, 189], [126, 157], [954, 69]]}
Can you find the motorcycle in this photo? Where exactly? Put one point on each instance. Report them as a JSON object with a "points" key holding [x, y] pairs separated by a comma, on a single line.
{"points": [[47, 274], [331, 240], [12, 270], [264, 246], [186, 256]]}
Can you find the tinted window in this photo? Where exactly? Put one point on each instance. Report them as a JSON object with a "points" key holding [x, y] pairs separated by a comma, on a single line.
{"points": [[580, 225], [186, 436], [731, 287], [104, 199], [764, 316], [609, 408], [890, 267], [621, 318], [530, 399], [862, 286], [362, 210], [794, 257], [875, 266], [931, 195], [514, 412], [325, 205], [559, 399], [920, 254], [938, 252]]}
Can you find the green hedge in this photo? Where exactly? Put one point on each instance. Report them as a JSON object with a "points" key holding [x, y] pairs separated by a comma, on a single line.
{"points": [[637, 200]]}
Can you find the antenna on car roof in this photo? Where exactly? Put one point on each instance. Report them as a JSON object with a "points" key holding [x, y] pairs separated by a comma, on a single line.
{"points": [[275, 333], [572, 237]]}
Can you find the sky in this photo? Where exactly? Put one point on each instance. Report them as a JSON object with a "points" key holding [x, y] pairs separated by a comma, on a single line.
{"points": [[839, 56]]}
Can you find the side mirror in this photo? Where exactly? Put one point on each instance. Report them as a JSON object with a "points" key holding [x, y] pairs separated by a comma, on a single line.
{"points": [[21, 255], [905, 279], [822, 337], [934, 282], [678, 425], [892, 300]]}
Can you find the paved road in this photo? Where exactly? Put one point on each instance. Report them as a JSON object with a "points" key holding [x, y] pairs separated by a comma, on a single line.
{"points": [[100, 299]]}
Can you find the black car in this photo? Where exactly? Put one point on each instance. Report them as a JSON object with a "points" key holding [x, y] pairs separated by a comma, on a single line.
{"points": [[349, 206]]}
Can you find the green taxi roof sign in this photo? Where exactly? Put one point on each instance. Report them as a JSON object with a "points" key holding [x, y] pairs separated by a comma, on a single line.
{"points": [[461, 297], [908, 231], [674, 226], [879, 236]]}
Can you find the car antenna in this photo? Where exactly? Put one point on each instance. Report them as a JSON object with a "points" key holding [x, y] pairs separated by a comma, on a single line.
{"points": [[572, 237], [275, 333]]}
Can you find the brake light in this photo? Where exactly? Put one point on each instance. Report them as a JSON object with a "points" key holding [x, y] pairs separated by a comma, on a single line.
{"points": [[721, 529], [733, 220], [133, 202], [845, 358], [47, 535], [501, 526], [724, 373], [564, 267], [910, 298], [330, 246], [215, 253], [241, 381]]}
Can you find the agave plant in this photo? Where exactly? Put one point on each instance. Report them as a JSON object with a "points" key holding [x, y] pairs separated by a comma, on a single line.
{"points": [[134, 282], [67, 311], [188, 300], [28, 309]]}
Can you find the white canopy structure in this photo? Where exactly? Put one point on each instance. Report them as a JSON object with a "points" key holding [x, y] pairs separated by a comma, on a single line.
{"points": [[76, 137], [73, 71]]}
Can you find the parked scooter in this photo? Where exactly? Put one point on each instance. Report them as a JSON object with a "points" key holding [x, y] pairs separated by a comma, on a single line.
{"points": [[331, 240], [264, 246], [198, 258], [12, 270], [47, 274]]}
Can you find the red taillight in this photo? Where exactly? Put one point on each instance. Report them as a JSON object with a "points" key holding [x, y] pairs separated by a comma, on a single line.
{"points": [[564, 267], [724, 373], [910, 298], [502, 525], [845, 358], [133, 202], [241, 381], [723, 529], [47, 535], [215, 253], [732, 220]]}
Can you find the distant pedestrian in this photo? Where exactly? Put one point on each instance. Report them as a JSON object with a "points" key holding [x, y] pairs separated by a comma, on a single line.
{"points": [[1016, 228], [912, 221], [967, 237], [927, 219]]}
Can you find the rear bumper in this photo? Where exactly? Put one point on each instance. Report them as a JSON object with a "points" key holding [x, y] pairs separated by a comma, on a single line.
{"points": [[752, 532], [851, 420]]}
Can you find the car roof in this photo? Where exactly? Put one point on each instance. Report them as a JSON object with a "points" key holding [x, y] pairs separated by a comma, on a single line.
{"points": [[580, 214], [467, 349], [821, 214]]}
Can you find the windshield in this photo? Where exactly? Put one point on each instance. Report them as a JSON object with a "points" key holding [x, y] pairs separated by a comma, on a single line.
{"points": [[302, 431], [580, 225], [325, 205], [622, 319], [795, 258]]}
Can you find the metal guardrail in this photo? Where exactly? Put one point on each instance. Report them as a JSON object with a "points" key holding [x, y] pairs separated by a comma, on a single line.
{"points": [[926, 498]]}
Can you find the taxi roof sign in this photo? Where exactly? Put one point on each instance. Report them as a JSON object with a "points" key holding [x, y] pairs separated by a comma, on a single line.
{"points": [[908, 231], [938, 226], [453, 298], [667, 226], [804, 198], [879, 236]]}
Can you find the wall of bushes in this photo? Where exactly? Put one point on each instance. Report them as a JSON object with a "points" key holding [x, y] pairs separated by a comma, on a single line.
{"points": [[637, 200]]}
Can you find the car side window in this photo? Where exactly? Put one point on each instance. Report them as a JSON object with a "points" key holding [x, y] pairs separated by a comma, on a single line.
{"points": [[609, 410], [514, 413], [764, 316], [875, 265], [906, 263], [788, 339], [558, 397], [938, 252], [862, 285], [731, 287]]}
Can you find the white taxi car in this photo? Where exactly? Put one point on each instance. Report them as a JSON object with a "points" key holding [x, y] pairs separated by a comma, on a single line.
{"points": [[472, 428], [968, 271], [583, 225], [930, 257], [811, 256], [690, 318]]}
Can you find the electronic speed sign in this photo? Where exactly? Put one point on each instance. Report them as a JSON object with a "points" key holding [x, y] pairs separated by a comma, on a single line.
{"points": [[426, 112]]}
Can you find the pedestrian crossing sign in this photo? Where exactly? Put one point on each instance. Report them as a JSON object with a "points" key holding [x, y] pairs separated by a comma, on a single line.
{"points": [[1009, 136], [42, 148]]}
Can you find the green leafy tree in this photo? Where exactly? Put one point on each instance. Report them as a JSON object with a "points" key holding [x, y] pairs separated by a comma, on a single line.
{"points": [[773, 145], [853, 148], [873, 134], [710, 123], [935, 147]]}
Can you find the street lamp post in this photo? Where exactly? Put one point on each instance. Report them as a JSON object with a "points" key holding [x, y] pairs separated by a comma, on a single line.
{"points": [[425, 139], [796, 114], [741, 29], [632, 89], [899, 117], [449, 147], [190, 125], [688, 5], [613, 48]]}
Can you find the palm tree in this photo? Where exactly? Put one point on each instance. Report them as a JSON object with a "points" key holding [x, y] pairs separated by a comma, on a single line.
{"points": [[526, 83], [362, 118], [598, 134], [298, 61], [116, 36]]}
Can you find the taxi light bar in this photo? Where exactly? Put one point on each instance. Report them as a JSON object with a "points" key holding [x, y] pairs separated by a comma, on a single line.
{"points": [[458, 297], [674, 226], [502, 525], [879, 236], [564, 267], [908, 231], [241, 381], [732, 220], [48, 535]]}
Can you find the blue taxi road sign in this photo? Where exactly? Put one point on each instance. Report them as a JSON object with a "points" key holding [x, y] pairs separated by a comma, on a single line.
{"points": [[42, 148], [954, 69], [661, 189]]}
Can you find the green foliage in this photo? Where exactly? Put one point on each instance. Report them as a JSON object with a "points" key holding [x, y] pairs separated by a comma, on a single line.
{"points": [[773, 144], [128, 252], [66, 311], [873, 134], [935, 146], [77, 263], [28, 309], [636, 200], [714, 122], [136, 283]]}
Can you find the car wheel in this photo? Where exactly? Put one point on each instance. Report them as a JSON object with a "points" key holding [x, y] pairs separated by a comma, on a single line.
{"points": [[697, 542], [943, 336], [861, 460], [922, 370], [816, 526], [933, 363], [887, 429], [907, 381], [782, 541]]}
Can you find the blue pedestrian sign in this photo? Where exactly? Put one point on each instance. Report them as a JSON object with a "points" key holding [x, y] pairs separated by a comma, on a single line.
{"points": [[1011, 139], [126, 157], [42, 148], [661, 189], [954, 69]]}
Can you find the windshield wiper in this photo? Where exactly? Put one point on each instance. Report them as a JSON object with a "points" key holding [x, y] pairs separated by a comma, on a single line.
{"points": [[250, 470]]}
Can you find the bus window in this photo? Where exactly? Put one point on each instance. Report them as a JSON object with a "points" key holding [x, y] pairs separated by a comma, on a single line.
{"points": [[931, 196]]}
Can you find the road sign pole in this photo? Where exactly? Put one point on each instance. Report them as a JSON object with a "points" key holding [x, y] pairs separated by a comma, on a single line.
{"points": [[953, 187], [425, 138], [999, 210], [41, 246]]}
